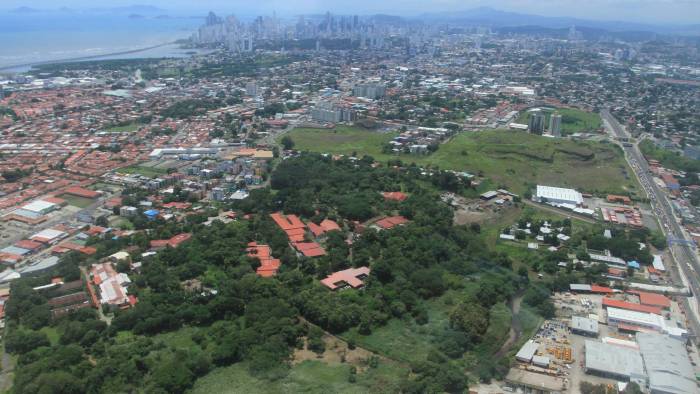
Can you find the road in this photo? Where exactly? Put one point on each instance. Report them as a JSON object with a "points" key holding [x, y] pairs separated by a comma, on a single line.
{"points": [[684, 255]]}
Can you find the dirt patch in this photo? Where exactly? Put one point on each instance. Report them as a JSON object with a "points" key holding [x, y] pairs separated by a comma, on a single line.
{"points": [[337, 352], [463, 216]]}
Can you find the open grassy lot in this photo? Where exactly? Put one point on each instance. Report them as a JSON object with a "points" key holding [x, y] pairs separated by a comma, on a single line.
{"points": [[515, 160], [573, 120], [143, 170], [341, 140], [127, 128], [308, 377], [77, 201]]}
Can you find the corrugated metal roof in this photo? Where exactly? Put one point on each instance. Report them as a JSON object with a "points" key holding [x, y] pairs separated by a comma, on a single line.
{"points": [[667, 364]]}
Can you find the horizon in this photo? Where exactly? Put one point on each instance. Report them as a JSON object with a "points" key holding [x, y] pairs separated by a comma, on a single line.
{"points": [[659, 13]]}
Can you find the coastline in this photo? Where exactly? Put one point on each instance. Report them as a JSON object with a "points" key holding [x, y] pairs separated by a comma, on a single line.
{"points": [[83, 58]]}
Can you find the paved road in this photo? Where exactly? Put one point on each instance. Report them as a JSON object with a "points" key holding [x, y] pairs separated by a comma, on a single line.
{"points": [[685, 256]]}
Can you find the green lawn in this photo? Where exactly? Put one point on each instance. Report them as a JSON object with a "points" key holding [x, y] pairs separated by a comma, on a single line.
{"points": [[52, 334], [127, 128], [341, 140], [573, 120], [405, 340], [307, 377], [77, 201], [142, 170], [515, 160]]}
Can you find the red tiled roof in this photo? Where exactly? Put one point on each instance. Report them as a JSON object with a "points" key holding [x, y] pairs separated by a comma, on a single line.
{"points": [[395, 196], [28, 244], [352, 276], [329, 225], [609, 302], [652, 299], [600, 289], [309, 249], [391, 222], [316, 230], [81, 192]]}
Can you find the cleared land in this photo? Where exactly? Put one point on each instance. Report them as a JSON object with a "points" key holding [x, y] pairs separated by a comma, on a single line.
{"points": [[142, 170], [573, 120], [77, 201], [515, 160], [306, 377]]}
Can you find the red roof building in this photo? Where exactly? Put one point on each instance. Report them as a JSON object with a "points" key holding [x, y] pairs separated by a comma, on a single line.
{"points": [[391, 222], [268, 265], [29, 244], [601, 289], [81, 192], [395, 196], [351, 277], [653, 299], [173, 242], [309, 249], [609, 302], [291, 225]]}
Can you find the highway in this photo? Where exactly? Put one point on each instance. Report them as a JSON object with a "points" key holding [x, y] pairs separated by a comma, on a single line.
{"points": [[684, 255]]}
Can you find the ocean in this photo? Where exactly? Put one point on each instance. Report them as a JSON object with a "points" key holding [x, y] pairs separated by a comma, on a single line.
{"points": [[27, 38]]}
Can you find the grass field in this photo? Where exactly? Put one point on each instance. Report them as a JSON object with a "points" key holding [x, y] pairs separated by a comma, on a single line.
{"points": [[514, 160], [308, 377], [77, 201], [128, 128], [142, 170], [573, 120]]}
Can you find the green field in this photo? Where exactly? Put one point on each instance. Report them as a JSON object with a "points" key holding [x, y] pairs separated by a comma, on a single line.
{"points": [[511, 159], [306, 377], [150, 172], [573, 120], [127, 128], [76, 201]]}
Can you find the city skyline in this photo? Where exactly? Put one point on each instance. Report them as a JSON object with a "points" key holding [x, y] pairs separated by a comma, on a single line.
{"points": [[643, 11]]}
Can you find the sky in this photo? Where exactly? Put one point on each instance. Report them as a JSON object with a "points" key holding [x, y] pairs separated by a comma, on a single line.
{"points": [[648, 11]]}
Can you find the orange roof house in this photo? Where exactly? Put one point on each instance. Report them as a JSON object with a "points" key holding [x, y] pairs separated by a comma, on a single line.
{"points": [[173, 242], [81, 192], [395, 196], [291, 225], [391, 222], [309, 249], [351, 277], [325, 226], [268, 265]]}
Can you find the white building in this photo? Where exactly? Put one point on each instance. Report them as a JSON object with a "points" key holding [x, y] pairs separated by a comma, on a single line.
{"points": [[558, 195]]}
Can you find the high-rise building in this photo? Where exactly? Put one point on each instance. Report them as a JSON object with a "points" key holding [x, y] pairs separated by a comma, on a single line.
{"points": [[555, 125], [328, 111], [537, 122], [251, 89], [369, 90]]}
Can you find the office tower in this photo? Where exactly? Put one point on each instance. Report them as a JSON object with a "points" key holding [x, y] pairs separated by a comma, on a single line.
{"points": [[555, 125]]}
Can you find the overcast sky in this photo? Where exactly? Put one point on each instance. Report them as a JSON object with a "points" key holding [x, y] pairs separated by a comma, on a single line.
{"points": [[654, 11]]}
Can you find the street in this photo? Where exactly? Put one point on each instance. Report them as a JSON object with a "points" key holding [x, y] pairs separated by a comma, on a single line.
{"points": [[683, 254]]}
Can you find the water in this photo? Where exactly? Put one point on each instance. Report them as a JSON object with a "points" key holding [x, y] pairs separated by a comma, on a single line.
{"points": [[40, 37]]}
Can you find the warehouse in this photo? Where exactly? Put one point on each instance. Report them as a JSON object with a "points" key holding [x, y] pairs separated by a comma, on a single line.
{"points": [[615, 362], [639, 321], [584, 326], [39, 207], [667, 364], [527, 352], [558, 195]]}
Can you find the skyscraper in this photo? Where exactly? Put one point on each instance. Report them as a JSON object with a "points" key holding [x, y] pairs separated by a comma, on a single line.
{"points": [[555, 125], [536, 124]]}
